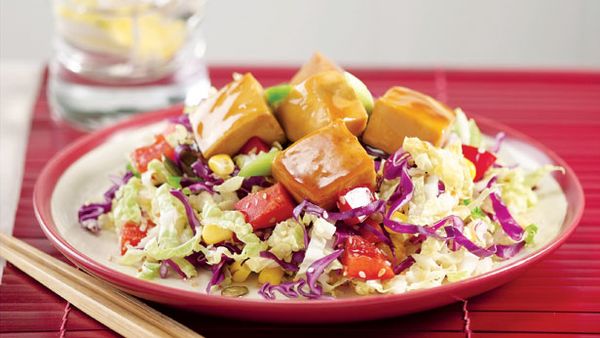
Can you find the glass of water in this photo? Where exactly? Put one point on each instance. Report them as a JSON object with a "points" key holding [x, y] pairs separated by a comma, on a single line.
{"points": [[113, 58]]}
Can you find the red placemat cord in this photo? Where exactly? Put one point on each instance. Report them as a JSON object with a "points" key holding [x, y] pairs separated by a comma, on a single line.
{"points": [[65, 318]]}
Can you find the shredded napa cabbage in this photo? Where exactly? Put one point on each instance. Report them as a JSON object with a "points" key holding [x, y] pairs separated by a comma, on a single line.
{"points": [[287, 238], [168, 213], [180, 135], [125, 206], [320, 245], [517, 186], [149, 270], [156, 173], [235, 222], [446, 163], [466, 129]]}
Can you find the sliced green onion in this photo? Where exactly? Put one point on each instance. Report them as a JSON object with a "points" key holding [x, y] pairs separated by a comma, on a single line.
{"points": [[276, 94]]}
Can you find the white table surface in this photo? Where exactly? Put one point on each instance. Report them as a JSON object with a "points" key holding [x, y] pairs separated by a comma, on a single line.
{"points": [[19, 81]]}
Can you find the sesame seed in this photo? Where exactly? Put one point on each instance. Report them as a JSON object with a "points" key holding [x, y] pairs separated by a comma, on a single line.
{"points": [[388, 263], [381, 272], [345, 274], [354, 254], [362, 274], [264, 195]]}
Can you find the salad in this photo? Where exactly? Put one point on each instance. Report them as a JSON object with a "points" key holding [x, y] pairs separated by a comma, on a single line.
{"points": [[312, 189]]}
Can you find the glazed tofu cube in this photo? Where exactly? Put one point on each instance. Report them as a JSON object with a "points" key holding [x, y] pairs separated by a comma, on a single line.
{"points": [[224, 122], [323, 163], [319, 100], [316, 64], [403, 112]]}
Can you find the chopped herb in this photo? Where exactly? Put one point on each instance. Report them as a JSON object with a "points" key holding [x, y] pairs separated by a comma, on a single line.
{"points": [[133, 171], [530, 232], [466, 202], [477, 213], [174, 181]]}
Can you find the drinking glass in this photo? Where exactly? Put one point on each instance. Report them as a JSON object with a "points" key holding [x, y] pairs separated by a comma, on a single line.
{"points": [[113, 58]]}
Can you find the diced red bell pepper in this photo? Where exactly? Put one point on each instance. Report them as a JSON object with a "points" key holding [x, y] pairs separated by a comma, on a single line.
{"points": [[143, 155], [364, 260], [255, 145], [368, 235], [354, 198], [132, 234], [482, 160], [265, 208]]}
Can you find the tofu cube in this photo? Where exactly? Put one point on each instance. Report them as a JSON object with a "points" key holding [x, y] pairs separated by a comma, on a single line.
{"points": [[224, 122], [316, 64], [403, 112], [322, 164], [318, 101]]}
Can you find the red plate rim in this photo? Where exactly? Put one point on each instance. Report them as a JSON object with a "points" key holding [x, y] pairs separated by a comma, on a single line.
{"points": [[54, 169]]}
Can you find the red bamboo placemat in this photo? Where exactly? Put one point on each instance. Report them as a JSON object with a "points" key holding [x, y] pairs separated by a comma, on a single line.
{"points": [[559, 296]]}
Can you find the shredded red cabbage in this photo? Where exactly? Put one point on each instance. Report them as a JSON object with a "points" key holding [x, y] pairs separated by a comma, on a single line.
{"points": [[297, 288], [197, 259], [441, 188], [394, 164], [500, 137], [218, 272], [403, 193], [187, 181], [288, 289], [285, 265], [381, 235], [88, 213], [197, 187], [163, 270], [405, 264], [167, 263], [182, 119], [508, 223], [181, 152], [298, 257], [341, 233], [316, 269], [234, 249], [503, 216], [311, 208], [378, 153], [377, 164], [306, 237], [454, 233], [367, 210], [308, 207], [250, 182], [191, 214], [203, 171], [508, 251]]}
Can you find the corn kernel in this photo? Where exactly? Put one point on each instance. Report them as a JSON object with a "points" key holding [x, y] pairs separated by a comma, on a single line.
{"points": [[222, 165], [212, 234], [270, 275], [398, 241], [239, 272], [472, 169], [400, 216]]}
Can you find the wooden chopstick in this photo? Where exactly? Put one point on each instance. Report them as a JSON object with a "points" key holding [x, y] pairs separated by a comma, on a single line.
{"points": [[124, 314]]}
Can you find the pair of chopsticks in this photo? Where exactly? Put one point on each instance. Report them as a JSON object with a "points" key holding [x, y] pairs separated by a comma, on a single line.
{"points": [[122, 313]]}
